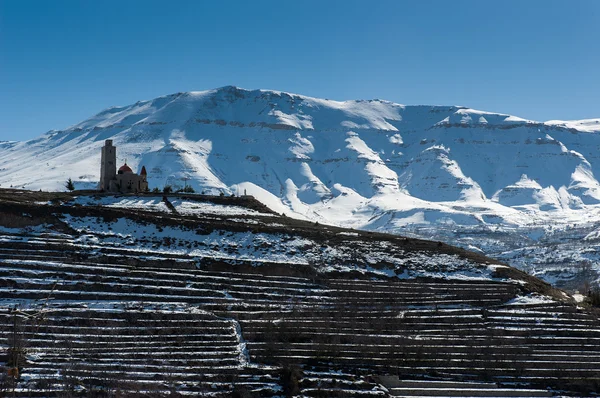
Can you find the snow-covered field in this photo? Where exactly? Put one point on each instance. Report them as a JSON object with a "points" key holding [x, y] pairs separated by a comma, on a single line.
{"points": [[378, 258], [156, 203], [483, 180]]}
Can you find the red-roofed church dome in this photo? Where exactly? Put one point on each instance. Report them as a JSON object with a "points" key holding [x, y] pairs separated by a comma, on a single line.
{"points": [[125, 169]]}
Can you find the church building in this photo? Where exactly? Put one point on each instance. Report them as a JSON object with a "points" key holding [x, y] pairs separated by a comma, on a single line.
{"points": [[124, 180]]}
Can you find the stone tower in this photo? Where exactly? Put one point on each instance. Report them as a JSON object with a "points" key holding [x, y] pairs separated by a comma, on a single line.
{"points": [[108, 165]]}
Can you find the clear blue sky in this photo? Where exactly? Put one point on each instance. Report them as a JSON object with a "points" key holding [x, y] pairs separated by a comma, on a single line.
{"points": [[62, 61]]}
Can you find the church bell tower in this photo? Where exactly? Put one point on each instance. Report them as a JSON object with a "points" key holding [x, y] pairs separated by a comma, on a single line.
{"points": [[108, 165]]}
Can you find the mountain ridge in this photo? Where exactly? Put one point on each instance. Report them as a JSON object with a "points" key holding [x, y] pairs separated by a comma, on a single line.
{"points": [[369, 164]]}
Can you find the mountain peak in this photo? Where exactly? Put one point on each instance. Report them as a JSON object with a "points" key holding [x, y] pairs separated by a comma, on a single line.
{"points": [[364, 163]]}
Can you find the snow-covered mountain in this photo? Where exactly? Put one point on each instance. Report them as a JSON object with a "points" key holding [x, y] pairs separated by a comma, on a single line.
{"points": [[483, 180]]}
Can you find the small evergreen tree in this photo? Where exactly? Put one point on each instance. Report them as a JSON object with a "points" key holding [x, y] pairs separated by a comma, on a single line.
{"points": [[155, 190], [167, 189], [69, 185]]}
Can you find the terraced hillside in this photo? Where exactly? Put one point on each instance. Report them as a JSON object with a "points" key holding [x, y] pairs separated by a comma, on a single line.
{"points": [[217, 296]]}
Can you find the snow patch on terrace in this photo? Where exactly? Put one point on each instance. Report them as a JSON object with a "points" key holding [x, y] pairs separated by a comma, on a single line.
{"points": [[183, 206], [246, 246], [531, 299], [377, 258], [194, 208]]}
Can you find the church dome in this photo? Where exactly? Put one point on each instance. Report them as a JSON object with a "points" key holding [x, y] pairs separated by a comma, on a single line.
{"points": [[125, 169]]}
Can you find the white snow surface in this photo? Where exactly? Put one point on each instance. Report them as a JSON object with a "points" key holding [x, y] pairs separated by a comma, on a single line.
{"points": [[183, 206], [378, 258], [432, 171]]}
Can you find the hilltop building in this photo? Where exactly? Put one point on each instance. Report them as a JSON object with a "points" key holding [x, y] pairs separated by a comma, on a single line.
{"points": [[124, 180]]}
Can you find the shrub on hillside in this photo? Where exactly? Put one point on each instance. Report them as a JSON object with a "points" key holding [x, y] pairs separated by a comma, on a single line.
{"points": [[241, 392], [290, 380], [187, 189], [594, 297]]}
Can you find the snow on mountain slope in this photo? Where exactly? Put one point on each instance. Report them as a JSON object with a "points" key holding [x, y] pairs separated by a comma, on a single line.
{"points": [[365, 164], [437, 178], [587, 125]]}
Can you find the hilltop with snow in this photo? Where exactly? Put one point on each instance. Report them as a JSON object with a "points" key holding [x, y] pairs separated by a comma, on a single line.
{"points": [[524, 191]]}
